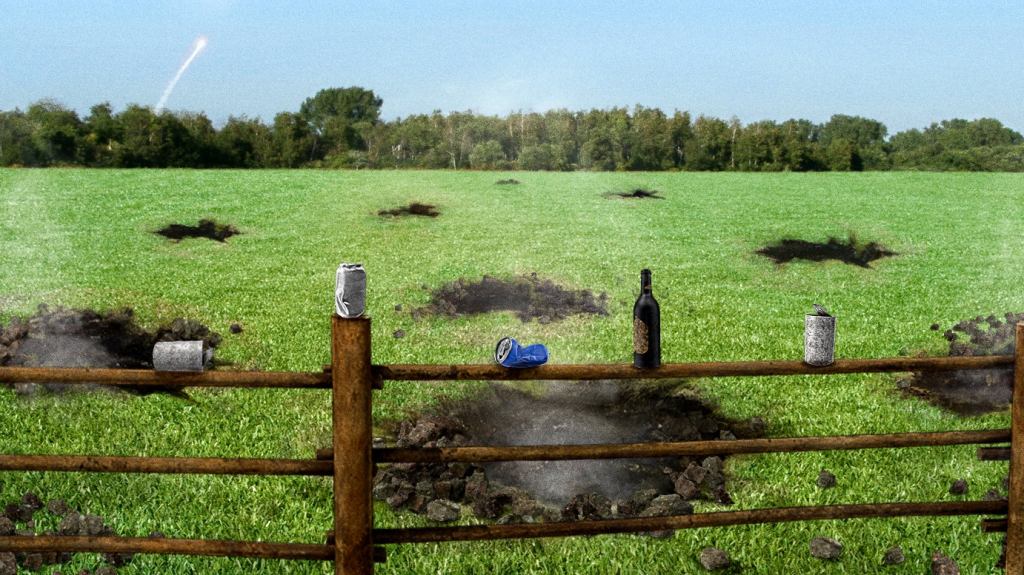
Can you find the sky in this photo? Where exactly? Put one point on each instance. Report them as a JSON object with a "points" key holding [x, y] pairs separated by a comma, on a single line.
{"points": [[907, 63]]}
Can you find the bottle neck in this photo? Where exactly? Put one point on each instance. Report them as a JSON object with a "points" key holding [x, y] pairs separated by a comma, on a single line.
{"points": [[645, 281]]}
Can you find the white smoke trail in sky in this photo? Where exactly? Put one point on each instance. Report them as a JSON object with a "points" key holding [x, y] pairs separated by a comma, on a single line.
{"points": [[197, 47]]}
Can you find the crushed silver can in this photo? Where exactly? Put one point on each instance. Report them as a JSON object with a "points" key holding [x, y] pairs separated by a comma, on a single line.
{"points": [[350, 290], [180, 356], [819, 337]]}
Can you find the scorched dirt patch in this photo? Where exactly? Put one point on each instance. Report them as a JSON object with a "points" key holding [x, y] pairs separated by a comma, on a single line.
{"points": [[528, 297]]}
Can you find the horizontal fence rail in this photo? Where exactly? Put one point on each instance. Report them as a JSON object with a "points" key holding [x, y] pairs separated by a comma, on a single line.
{"points": [[485, 454], [149, 377], [407, 372], [717, 519], [191, 465]]}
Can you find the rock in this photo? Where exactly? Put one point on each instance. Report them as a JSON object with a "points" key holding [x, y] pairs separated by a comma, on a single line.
{"points": [[236, 328], [727, 435], [893, 556], [713, 465], [638, 502], [31, 500], [8, 565], [6, 526], [476, 486], [826, 480], [454, 489], [686, 488], [443, 510], [398, 307], [33, 561], [713, 558], [587, 506], [399, 334], [757, 426], [942, 565], [722, 496], [58, 507], [667, 505], [992, 495], [156, 535], [959, 487], [93, 525], [71, 524], [826, 548], [695, 473], [104, 570], [18, 513]]}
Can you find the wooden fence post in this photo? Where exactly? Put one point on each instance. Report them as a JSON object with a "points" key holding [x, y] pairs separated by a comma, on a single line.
{"points": [[1015, 516], [352, 381]]}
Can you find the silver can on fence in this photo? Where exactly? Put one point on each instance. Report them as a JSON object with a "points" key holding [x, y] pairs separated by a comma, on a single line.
{"points": [[819, 337], [350, 290], [179, 356]]}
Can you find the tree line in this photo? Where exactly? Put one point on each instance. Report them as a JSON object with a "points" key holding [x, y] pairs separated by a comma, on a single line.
{"points": [[342, 128]]}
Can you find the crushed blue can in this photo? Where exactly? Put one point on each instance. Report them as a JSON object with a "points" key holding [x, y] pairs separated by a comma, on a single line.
{"points": [[509, 353]]}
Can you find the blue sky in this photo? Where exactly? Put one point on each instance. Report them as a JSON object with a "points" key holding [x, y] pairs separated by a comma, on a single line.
{"points": [[905, 63]]}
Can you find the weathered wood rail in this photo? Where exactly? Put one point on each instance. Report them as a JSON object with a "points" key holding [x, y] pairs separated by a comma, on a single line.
{"points": [[354, 543]]}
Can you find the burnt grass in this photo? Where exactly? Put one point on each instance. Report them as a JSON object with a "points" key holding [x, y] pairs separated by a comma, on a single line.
{"points": [[413, 209], [850, 251], [977, 391], [529, 297], [209, 229], [586, 412], [61, 337], [640, 194], [508, 182]]}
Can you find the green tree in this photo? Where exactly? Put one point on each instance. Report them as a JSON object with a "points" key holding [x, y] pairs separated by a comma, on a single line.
{"points": [[335, 117], [56, 130], [486, 155]]}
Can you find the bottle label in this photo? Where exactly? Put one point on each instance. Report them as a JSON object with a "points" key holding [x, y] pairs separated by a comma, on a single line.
{"points": [[639, 336]]}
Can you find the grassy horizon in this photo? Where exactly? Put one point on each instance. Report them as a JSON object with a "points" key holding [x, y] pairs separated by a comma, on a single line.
{"points": [[83, 238]]}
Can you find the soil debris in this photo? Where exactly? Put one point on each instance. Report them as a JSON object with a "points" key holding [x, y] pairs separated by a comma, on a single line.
{"points": [[942, 565], [209, 229], [527, 296], [413, 209], [893, 556], [826, 548], [640, 194], [850, 251], [977, 391], [560, 414], [959, 487], [63, 337], [713, 559], [826, 480]]}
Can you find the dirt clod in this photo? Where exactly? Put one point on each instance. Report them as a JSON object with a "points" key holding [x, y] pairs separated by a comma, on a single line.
{"points": [[399, 334], [58, 507], [942, 565], [893, 556], [413, 209], [959, 487], [826, 480], [826, 548], [640, 194], [528, 297], [8, 564], [976, 391], [62, 337], [442, 510], [713, 559], [236, 328], [209, 229], [6, 526], [850, 251]]}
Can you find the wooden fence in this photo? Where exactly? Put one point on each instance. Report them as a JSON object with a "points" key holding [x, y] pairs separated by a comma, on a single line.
{"points": [[354, 544]]}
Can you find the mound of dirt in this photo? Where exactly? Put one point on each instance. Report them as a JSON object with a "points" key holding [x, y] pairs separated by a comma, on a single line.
{"points": [[63, 337], [28, 516], [508, 182], [977, 391], [413, 209], [209, 229], [577, 413], [850, 251], [527, 296], [640, 194]]}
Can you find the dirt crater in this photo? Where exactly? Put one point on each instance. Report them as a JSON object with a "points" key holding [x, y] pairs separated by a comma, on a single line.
{"points": [[529, 297], [850, 251], [208, 229], [413, 209]]}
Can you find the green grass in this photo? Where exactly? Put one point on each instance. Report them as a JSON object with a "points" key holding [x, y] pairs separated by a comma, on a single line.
{"points": [[83, 238]]}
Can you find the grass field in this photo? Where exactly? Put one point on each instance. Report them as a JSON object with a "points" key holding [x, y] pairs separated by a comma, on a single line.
{"points": [[83, 238]]}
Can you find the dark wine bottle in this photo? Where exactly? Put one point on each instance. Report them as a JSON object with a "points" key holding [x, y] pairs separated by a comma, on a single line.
{"points": [[646, 326]]}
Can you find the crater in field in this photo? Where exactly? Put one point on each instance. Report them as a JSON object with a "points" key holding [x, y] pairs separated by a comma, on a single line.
{"points": [[527, 296], [508, 182], [588, 412], [209, 229], [63, 337], [413, 209], [975, 391], [850, 251], [640, 194]]}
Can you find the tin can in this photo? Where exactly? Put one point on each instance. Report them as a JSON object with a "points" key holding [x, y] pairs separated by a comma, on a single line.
{"points": [[179, 356], [509, 353], [819, 339], [350, 290]]}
